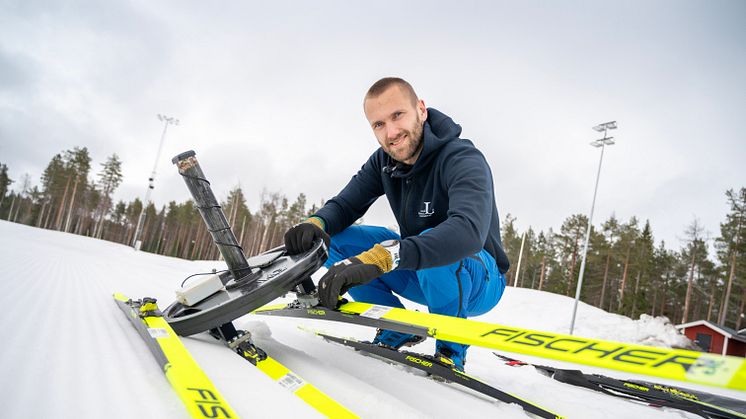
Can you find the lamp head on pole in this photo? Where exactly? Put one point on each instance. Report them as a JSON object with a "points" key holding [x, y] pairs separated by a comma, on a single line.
{"points": [[605, 126], [603, 141], [168, 120]]}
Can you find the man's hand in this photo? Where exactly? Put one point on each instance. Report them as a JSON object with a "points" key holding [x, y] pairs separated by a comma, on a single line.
{"points": [[300, 238], [348, 273], [342, 276]]}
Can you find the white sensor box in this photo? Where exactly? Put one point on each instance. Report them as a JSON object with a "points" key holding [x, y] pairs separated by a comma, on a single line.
{"points": [[198, 290]]}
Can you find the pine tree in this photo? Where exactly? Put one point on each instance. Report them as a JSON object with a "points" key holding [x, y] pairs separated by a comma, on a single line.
{"points": [[611, 232], [131, 215], [239, 216], [731, 251], [663, 263], [628, 236], [297, 211], [545, 252], [118, 218], [20, 216], [571, 236], [77, 165], [695, 251], [5, 182], [593, 278], [109, 179], [86, 209], [511, 245], [53, 184], [644, 265]]}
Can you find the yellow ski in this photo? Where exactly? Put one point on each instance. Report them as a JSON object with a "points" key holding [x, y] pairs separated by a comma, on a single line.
{"points": [[240, 342], [677, 364], [307, 392], [194, 388]]}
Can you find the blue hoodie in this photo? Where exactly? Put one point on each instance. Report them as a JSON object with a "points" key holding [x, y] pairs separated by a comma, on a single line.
{"points": [[449, 189]]}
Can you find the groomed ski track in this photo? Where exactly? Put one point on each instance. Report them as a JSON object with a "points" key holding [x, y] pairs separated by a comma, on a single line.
{"points": [[67, 351]]}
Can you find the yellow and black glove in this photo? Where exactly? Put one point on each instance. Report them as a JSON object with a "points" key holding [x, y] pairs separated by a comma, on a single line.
{"points": [[300, 237], [357, 270]]}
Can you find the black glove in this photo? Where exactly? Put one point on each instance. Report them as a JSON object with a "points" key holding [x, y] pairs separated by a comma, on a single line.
{"points": [[342, 276], [300, 238]]}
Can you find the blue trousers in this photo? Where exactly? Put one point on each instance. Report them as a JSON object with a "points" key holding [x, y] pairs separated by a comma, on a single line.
{"points": [[470, 287]]}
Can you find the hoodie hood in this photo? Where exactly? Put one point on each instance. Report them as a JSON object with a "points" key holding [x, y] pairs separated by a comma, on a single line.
{"points": [[437, 130]]}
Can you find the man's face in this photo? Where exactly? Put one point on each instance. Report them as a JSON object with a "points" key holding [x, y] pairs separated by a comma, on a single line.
{"points": [[397, 123]]}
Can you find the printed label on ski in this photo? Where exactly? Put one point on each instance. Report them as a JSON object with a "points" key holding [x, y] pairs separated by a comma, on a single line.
{"points": [[157, 333], [376, 312], [291, 382]]}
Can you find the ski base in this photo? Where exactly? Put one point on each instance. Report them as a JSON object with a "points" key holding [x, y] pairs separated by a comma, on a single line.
{"points": [[431, 366]]}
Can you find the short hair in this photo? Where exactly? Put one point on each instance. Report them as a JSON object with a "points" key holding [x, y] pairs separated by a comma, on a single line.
{"points": [[382, 85]]}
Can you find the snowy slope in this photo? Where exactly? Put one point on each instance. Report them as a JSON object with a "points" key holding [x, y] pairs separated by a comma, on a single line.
{"points": [[68, 352]]}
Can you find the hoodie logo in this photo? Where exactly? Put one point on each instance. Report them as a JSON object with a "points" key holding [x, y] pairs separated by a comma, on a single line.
{"points": [[427, 211]]}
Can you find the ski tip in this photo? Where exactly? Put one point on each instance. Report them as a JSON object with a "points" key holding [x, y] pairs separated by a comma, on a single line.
{"points": [[119, 296]]}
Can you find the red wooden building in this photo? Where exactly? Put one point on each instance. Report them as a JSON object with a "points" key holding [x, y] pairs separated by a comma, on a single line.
{"points": [[714, 338]]}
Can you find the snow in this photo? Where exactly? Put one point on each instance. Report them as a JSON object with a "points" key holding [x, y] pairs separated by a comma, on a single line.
{"points": [[68, 352]]}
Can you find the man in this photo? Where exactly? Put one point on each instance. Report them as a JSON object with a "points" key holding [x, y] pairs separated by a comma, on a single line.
{"points": [[449, 256]]}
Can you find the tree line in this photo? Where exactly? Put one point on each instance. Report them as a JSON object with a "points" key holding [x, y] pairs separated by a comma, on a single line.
{"points": [[626, 271], [68, 200]]}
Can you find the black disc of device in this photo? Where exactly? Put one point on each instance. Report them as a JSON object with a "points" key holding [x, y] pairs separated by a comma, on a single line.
{"points": [[273, 274]]}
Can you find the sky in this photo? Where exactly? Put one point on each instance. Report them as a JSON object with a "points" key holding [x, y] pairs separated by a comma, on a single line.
{"points": [[269, 95]]}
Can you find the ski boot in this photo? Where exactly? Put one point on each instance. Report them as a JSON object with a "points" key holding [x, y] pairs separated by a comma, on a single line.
{"points": [[452, 355], [395, 340]]}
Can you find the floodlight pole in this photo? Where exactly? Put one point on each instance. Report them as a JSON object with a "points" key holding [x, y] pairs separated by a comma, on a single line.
{"points": [[520, 258], [167, 120], [603, 142]]}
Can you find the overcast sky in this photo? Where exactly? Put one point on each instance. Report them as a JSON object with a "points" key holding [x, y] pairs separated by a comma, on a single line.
{"points": [[269, 95]]}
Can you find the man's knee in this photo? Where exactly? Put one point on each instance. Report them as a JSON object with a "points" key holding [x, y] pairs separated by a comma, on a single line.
{"points": [[446, 288], [354, 240], [439, 275], [362, 236]]}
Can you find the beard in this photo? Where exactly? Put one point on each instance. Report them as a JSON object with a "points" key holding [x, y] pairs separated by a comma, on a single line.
{"points": [[412, 146]]}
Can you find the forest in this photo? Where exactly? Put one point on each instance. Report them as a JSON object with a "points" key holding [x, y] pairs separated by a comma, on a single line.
{"points": [[626, 272]]}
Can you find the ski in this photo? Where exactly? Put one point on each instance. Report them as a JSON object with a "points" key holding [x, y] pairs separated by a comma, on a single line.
{"points": [[435, 368], [193, 386], [677, 364], [239, 341], [200, 397], [370, 318], [658, 395]]}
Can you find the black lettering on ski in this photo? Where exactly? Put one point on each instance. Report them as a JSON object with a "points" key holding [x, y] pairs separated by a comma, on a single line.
{"points": [[637, 356], [553, 344], [591, 347], [502, 332]]}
